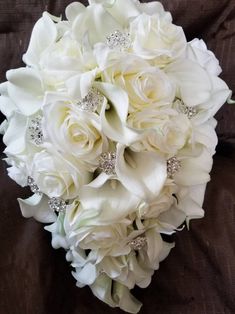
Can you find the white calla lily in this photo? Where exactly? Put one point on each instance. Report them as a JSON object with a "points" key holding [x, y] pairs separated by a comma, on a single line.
{"points": [[114, 114], [192, 81], [96, 23], [78, 86], [44, 34], [115, 294], [194, 170], [15, 135], [37, 207], [112, 199], [25, 88], [142, 173]]}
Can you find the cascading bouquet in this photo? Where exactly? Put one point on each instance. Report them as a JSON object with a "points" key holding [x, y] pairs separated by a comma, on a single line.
{"points": [[111, 126]]}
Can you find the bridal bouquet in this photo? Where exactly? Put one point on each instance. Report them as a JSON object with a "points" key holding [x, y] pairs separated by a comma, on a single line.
{"points": [[111, 126]]}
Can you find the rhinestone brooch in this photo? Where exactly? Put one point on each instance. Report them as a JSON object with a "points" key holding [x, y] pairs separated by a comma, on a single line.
{"points": [[57, 204], [91, 101], [173, 166], [138, 243], [107, 163], [119, 40], [190, 112], [35, 130], [33, 186]]}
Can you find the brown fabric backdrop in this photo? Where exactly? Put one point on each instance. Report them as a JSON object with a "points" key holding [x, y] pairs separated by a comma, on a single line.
{"points": [[199, 275]]}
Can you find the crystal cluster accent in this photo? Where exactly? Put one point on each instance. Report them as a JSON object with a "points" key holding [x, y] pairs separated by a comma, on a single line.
{"points": [[190, 112], [173, 166], [107, 163], [118, 40], [35, 130], [33, 186], [138, 243], [91, 101], [57, 204]]}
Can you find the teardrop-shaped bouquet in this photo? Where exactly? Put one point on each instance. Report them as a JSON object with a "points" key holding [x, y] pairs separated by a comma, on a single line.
{"points": [[111, 126]]}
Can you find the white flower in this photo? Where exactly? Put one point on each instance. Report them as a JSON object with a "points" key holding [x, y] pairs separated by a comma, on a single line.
{"points": [[43, 35], [155, 38], [74, 131], [26, 89], [37, 206], [146, 86], [141, 173], [196, 87], [58, 175], [92, 24], [197, 51], [165, 130]]}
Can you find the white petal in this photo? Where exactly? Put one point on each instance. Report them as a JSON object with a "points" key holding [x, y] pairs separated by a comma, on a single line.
{"points": [[73, 10], [101, 288], [192, 81], [124, 299], [218, 96], [44, 34], [113, 201], [25, 88], [14, 137], [78, 86], [96, 23], [165, 250], [123, 10], [87, 275], [114, 118], [59, 239], [7, 107], [195, 170], [142, 173], [154, 241], [37, 206], [192, 209]]}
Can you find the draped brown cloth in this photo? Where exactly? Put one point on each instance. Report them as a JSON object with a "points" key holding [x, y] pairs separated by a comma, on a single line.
{"points": [[198, 277]]}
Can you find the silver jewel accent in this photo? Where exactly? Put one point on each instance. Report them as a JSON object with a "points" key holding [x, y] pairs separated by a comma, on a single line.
{"points": [[119, 40], [33, 186], [35, 130], [173, 166], [91, 101], [138, 243], [107, 163], [57, 204], [190, 112]]}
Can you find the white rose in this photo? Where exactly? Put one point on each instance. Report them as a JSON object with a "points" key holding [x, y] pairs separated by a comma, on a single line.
{"points": [[146, 86], [74, 131], [165, 130], [197, 51], [58, 175], [155, 38], [73, 58]]}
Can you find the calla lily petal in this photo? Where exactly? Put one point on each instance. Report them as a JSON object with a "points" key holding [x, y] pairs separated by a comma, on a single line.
{"points": [[193, 82], [114, 115], [37, 207], [142, 173], [25, 88], [45, 30]]}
